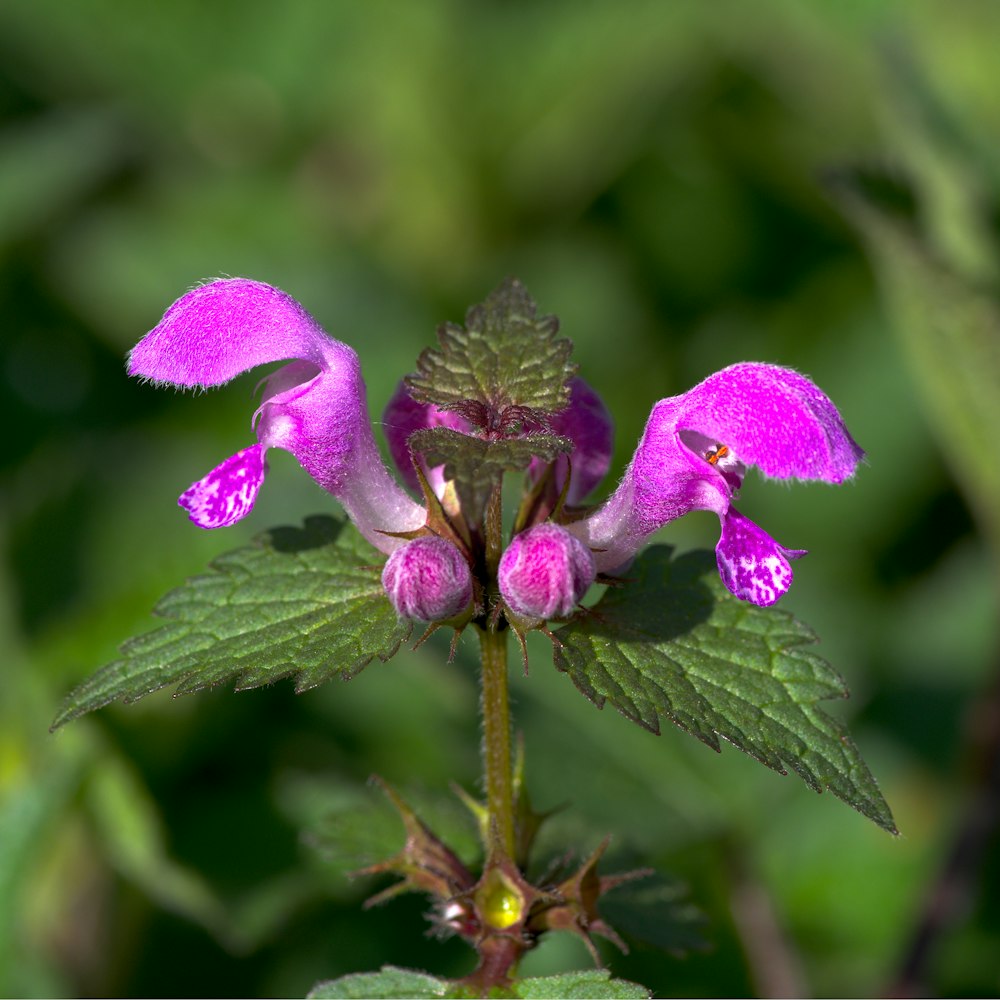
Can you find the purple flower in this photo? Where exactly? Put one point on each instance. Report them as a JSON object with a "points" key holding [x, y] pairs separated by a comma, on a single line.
{"points": [[545, 571], [693, 455], [314, 406], [585, 421]]}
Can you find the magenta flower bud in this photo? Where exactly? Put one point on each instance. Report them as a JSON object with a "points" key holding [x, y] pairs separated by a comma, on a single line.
{"points": [[428, 578], [545, 571], [314, 407]]}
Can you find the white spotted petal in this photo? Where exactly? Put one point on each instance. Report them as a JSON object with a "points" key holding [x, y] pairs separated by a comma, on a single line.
{"points": [[753, 566], [227, 494]]}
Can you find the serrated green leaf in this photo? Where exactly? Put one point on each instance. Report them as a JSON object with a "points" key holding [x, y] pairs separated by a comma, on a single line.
{"points": [[388, 982], [505, 356], [477, 464], [592, 984], [304, 602], [674, 643]]}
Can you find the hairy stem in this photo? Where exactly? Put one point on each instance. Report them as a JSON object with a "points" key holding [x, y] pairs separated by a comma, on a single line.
{"points": [[496, 739]]}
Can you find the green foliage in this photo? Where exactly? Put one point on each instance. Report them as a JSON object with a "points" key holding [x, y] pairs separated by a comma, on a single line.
{"points": [[391, 982], [351, 826], [649, 170], [596, 983], [949, 323], [477, 464], [388, 982], [49, 163], [506, 356], [300, 602], [656, 911], [672, 642]]}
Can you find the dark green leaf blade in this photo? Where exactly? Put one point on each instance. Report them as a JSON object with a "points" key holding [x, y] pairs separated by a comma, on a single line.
{"points": [[305, 602], [476, 464], [673, 643], [505, 356], [351, 827]]}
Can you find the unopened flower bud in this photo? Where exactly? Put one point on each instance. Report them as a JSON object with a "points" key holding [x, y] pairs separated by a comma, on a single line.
{"points": [[545, 571], [428, 578]]}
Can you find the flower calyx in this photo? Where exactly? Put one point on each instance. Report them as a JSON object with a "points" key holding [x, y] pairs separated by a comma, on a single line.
{"points": [[501, 913], [425, 864], [575, 908]]}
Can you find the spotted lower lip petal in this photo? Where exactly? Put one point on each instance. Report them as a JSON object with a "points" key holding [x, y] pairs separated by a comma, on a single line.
{"points": [[227, 494], [753, 566]]}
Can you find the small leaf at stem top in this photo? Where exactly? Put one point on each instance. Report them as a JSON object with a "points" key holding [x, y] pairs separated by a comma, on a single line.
{"points": [[506, 357], [477, 464]]}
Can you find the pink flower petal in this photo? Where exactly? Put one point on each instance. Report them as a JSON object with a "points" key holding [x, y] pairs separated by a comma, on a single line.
{"points": [[587, 423], [314, 407], [227, 494], [219, 330], [753, 566], [545, 571], [773, 418], [692, 456]]}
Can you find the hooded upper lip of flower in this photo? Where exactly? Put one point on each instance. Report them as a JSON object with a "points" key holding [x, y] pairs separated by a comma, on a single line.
{"points": [[693, 454]]}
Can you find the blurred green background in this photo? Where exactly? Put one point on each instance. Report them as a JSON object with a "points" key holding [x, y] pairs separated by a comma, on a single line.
{"points": [[654, 172]]}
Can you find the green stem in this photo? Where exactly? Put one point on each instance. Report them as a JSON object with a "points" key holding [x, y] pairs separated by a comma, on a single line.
{"points": [[496, 739]]}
